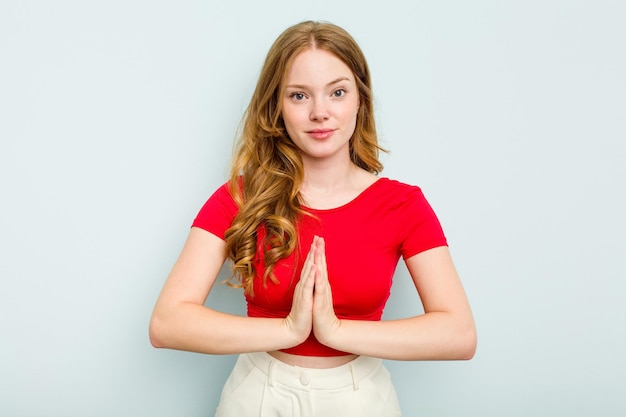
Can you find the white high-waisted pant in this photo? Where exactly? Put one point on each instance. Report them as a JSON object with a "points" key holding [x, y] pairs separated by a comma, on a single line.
{"points": [[262, 386]]}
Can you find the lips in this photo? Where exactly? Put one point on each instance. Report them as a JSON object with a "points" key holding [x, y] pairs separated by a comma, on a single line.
{"points": [[321, 133]]}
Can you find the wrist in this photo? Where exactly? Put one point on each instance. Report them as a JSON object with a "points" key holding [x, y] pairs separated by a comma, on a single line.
{"points": [[330, 335], [295, 335]]}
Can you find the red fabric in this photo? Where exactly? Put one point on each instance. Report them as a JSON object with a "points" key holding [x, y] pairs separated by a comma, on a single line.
{"points": [[364, 241]]}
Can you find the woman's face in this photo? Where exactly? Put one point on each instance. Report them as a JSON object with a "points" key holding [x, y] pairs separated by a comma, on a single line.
{"points": [[320, 105]]}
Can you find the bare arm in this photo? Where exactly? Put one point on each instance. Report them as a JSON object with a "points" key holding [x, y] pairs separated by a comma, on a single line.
{"points": [[181, 321], [445, 331]]}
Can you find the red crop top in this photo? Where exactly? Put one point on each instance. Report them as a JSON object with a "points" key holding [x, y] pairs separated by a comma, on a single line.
{"points": [[364, 241]]}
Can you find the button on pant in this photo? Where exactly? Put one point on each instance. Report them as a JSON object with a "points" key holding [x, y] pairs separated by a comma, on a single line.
{"points": [[263, 386]]}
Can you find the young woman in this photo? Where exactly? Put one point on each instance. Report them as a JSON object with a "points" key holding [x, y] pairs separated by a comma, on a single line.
{"points": [[314, 237]]}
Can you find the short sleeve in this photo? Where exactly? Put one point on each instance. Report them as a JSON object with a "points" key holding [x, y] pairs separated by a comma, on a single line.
{"points": [[217, 214], [421, 228]]}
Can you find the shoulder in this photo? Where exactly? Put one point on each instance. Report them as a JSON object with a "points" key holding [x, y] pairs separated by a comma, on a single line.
{"points": [[396, 190], [218, 212], [420, 228], [402, 199], [390, 183], [222, 195]]}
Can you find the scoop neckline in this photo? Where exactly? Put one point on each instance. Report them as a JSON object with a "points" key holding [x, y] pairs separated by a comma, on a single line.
{"points": [[358, 197]]}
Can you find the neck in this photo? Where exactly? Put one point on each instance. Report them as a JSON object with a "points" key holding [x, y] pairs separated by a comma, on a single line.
{"points": [[326, 176]]}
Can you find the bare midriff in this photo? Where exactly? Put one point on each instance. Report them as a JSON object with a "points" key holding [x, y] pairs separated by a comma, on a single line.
{"points": [[315, 362]]}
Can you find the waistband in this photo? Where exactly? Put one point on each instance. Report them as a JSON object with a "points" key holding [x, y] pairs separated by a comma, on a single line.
{"points": [[298, 377]]}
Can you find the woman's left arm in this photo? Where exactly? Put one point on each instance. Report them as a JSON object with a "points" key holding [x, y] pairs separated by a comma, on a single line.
{"points": [[445, 331]]}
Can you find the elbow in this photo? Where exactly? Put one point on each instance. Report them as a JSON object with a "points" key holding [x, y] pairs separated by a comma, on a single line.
{"points": [[467, 352], [466, 346], [156, 332]]}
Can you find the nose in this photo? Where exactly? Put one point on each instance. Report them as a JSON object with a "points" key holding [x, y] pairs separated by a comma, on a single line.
{"points": [[319, 111]]}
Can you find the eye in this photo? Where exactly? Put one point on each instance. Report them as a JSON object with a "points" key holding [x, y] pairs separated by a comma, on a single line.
{"points": [[297, 96], [339, 93]]}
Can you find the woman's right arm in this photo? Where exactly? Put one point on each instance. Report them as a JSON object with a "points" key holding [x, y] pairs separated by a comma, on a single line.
{"points": [[181, 320]]}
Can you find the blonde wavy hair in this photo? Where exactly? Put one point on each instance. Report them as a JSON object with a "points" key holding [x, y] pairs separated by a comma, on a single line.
{"points": [[267, 171]]}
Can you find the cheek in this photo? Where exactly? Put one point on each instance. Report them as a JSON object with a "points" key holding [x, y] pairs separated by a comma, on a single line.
{"points": [[351, 116], [351, 110], [292, 116], [290, 121]]}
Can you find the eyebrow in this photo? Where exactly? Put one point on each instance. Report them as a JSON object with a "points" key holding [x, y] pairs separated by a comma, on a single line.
{"points": [[338, 80]]}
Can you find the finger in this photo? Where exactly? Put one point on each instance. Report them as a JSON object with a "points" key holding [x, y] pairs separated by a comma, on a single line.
{"points": [[320, 285], [309, 260], [308, 282], [308, 263], [304, 288], [321, 250], [320, 261]]}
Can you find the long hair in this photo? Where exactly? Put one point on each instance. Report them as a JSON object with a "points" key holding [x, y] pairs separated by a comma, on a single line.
{"points": [[267, 171]]}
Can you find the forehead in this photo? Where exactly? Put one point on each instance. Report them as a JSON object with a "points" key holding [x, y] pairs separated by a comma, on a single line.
{"points": [[316, 66]]}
